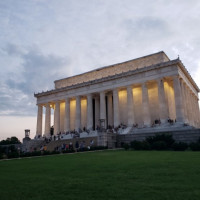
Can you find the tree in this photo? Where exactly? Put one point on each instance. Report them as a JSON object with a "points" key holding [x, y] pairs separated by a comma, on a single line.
{"points": [[12, 140]]}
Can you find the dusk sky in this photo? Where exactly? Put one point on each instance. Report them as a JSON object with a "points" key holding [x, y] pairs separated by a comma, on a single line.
{"points": [[45, 40]]}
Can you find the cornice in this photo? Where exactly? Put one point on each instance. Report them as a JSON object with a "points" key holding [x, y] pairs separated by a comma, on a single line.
{"points": [[121, 75]]}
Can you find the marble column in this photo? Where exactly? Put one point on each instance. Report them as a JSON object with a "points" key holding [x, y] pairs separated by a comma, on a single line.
{"points": [[130, 108], [110, 110], [196, 109], [47, 120], [97, 111], [78, 113], [67, 115], [39, 120], [184, 92], [116, 121], [103, 107], [192, 108], [198, 112], [178, 100], [163, 111], [57, 118], [189, 109], [145, 104], [89, 112]]}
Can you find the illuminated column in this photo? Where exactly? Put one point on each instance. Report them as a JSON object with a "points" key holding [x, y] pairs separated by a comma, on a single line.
{"points": [[110, 110], [78, 113], [163, 111], [184, 93], [178, 100], [67, 115], [97, 111], [47, 120], [39, 120], [89, 112], [57, 118], [130, 110], [116, 107], [194, 109], [198, 112], [145, 104], [189, 109], [103, 107]]}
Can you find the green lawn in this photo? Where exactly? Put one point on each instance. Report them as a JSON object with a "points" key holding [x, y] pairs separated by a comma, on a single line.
{"points": [[103, 175]]}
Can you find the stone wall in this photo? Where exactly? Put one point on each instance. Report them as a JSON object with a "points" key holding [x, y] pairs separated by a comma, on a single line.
{"points": [[187, 136], [113, 69]]}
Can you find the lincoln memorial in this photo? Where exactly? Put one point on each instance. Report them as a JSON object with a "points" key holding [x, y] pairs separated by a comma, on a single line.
{"points": [[141, 94]]}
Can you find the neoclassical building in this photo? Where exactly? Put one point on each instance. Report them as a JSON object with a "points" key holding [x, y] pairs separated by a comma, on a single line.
{"points": [[134, 93]]}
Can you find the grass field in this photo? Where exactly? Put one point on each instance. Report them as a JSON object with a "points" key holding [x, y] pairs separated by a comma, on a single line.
{"points": [[103, 175]]}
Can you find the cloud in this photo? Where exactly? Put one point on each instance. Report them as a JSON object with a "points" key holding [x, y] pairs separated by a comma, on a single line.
{"points": [[36, 72], [42, 41]]}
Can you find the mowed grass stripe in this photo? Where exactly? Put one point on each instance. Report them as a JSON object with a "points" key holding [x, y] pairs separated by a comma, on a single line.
{"points": [[103, 175]]}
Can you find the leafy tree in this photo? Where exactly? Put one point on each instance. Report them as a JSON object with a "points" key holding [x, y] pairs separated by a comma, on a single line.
{"points": [[12, 140]]}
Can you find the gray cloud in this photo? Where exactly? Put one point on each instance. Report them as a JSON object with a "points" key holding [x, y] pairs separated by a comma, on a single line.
{"points": [[46, 40], [37, 72]]}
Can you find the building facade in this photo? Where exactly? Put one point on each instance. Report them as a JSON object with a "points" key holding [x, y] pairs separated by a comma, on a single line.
{"points": [[135, 93]]}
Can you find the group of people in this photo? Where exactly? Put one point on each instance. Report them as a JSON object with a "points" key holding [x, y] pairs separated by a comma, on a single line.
{"points": [[64, 147], [76, 147], [43, 148]]}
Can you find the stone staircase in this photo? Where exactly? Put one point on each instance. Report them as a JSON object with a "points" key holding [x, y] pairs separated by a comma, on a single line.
{"points": [[33, 145], [53, 144], [158, 128]]}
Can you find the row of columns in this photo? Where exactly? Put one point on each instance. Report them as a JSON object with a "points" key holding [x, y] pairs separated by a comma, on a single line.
{"points": [[187, 109]]}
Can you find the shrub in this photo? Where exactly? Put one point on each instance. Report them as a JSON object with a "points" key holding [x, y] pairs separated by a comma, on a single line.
{"points": [[46, 153], [146, 145], [126, 146], [13, 155], [98, 148], [195, 146], [161, 137], [137, 145], [159, 145], [36, 153], [180, 146], [55, 152]]}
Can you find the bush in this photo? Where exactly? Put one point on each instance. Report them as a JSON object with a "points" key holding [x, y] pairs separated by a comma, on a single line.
{"points": [[179, 146], [36, 153], [13, 155], [69, 151], [55, 152], [195, 146], [46, 153], [126, 146], [136, 145], [164, 140], [98, 148], [159, 145], [146, 145], [25, 154]]}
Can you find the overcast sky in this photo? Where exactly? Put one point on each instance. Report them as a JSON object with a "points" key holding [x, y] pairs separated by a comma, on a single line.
{"points": [[45, 40]]}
